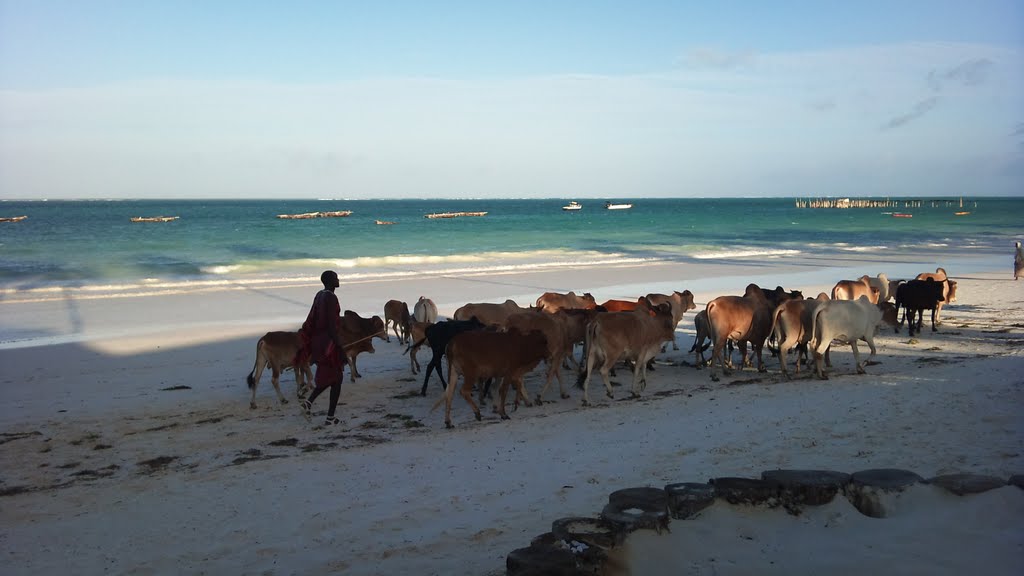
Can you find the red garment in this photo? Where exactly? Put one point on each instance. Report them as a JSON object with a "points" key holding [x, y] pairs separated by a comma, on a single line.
{"points": [[316, 339]]}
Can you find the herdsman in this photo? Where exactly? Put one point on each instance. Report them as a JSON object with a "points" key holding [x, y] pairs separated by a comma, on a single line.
{"points": [[320, 334]]}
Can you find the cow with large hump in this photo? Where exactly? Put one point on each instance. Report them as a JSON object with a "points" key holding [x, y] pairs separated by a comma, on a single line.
{"points": [[558, 343], [484, 355], [425, 310], [357, 334], [681, 302], [618, 305], [792, 327], [882, 282], [854, 289], [439, 335], [574, 323], [948, 289], [915, 297], [742, 319], [397, 317], [848, 321], [552, 302], [490, 314], [635, 335], [280, 351]]}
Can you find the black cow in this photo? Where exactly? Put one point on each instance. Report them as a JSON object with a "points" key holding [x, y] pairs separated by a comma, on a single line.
{"points": [[916, 296], [439, 335]]}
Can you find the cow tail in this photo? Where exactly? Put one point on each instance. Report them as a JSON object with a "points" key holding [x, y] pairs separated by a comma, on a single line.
{"points": [[815, 333], [588, 347], [776, 326], [251, 380]]}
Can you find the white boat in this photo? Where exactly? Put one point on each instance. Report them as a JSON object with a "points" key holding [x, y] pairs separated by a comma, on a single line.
{"points": [[610, 206], [573, 205]]}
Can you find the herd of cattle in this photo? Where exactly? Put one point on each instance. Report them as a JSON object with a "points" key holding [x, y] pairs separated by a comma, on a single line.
{"points": [[504, 342]]}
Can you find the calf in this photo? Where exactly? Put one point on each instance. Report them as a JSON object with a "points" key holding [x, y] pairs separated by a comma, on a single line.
{"points": [[558, 345], [425, 310], [439, 335], [792, 327], [849, 321], [636, 335], [743, 319], [506, 355], [396, 316], [279, 351], [915, 297], [357, 334], [418, 335]]}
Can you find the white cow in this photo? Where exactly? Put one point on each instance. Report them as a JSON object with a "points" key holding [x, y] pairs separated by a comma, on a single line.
{"points": [[848, 321], [424, 310]]}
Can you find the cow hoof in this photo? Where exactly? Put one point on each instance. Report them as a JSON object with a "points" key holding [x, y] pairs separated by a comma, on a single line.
{"points": [[505, 417], [527, 403], [861, 370], [762, 369], [252, 405], [611, 396], [565, 396], [822, 377], [448, 425], [284, 400], [634, 395], [584, 403], [714, 378], [479, 417]]}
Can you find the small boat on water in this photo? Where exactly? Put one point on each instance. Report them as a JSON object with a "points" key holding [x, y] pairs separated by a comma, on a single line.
{"points": [[154, 218], [612, 206], [901, 215], [309, 215], [383, 222], [572, 206], [12, 218], [453, 214], [960, 213]]}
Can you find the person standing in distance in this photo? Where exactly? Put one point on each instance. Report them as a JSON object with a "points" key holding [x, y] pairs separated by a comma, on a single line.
{"points": [[320, 333], [1018, 262]]}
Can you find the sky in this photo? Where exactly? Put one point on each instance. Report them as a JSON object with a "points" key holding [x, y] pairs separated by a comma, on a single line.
{"points": [[597, 99]]}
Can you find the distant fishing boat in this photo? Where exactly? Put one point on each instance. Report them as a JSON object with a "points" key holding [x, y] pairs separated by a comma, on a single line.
{"points": [[12, 218], [611, 206], [154, 218], [309, 215], [572, 206], [383, 222], [901, 215], [961, 213], [453, 214]]}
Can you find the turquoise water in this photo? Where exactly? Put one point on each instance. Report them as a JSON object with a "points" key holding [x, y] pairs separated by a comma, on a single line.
{"points": [[93, 242]]}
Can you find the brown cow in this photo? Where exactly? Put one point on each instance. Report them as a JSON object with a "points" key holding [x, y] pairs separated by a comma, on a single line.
{"points": [[558, 344], [482, 355], [854, 289], [418, 334], [487, 313], [397, 317], [948, 289], [743, 319], [636, 335], [357, 332], [278, 350], [551, 302], [792, 327], [574, 324], [680, 302]]}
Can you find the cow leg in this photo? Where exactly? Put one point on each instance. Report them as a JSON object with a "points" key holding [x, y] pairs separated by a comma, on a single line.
{"points": [[716, 357], [934, 313], [435, 366], [467, 393], [355, 371], [307, 376], [606, 369], [276, 381], [856, 356], [784, 345]]}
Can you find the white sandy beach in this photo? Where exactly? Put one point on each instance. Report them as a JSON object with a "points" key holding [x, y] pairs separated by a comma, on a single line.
{"points": [[127, 445]]}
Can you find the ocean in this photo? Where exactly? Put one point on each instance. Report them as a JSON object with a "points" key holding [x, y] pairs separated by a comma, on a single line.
{"points": [[94, 243]]}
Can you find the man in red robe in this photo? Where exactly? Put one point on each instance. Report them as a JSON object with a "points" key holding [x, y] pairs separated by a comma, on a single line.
{"points": [[322, 342]]}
